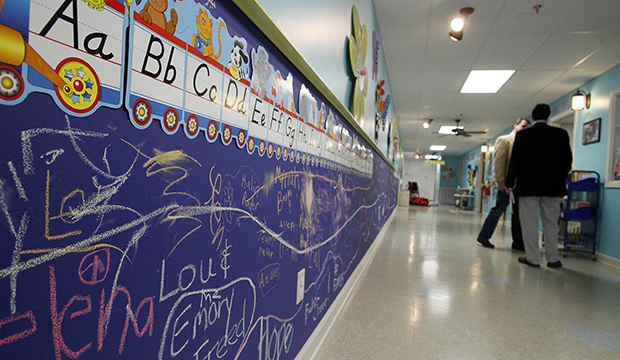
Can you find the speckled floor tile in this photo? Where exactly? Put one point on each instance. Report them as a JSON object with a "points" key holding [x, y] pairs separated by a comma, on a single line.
{"points": [[431, 292]]}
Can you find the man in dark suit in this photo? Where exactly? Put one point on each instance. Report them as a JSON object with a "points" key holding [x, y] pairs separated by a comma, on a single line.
{"points": [[541, 160]]}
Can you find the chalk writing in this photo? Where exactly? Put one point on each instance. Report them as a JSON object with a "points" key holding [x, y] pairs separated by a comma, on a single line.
{"points": [[195, 312], [268, 278], [274, 341], [315, 307]]}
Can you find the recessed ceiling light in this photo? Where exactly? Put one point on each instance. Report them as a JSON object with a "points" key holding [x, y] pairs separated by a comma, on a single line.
{"points": [[437, 147], [486, 81]]}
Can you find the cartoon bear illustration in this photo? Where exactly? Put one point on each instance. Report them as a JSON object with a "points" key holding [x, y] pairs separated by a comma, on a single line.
{"points": [[153, 13]]}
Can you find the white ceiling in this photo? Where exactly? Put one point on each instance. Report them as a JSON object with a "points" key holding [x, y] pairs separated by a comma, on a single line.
{"points": [[554, 51]]}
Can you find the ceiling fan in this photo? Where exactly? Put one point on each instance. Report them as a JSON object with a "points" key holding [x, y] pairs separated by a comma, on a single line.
{"points": [[460, 130], [419, 155]]}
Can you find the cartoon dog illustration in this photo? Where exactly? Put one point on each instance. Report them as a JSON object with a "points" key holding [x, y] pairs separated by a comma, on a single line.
{"points": [[237, 55]]}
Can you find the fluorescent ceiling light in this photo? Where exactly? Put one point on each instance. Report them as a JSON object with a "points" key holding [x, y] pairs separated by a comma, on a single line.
{"points": [[448, 129], [432, 157], [486, 81], [437, 147]]}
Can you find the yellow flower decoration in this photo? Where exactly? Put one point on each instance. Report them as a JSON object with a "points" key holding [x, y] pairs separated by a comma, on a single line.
{"points": [[358, 43]]}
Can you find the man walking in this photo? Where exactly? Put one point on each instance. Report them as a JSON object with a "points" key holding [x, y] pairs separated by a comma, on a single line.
{"points": [[502, 152], [541, 160]]}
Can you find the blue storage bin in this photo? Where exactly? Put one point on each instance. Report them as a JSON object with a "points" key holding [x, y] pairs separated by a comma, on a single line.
{"points": [[582, 213], [583, 185]]}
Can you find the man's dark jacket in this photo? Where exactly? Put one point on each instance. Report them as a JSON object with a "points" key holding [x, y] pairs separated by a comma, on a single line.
{"points": [[540, 162]]}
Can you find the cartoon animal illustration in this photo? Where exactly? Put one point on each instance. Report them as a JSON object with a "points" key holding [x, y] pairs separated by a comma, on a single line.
{"points": [[472, 172], [276, 89], [235, 65], [329, 126], [202, 40], [287, 93], [322, 117], [282, 91], [153, 13], [305, 104], [261, 72]]}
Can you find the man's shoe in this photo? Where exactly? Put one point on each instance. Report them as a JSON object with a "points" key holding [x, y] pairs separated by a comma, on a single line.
{"points": [[518, 248], [486, 244], [554, 265], [523, 260]]}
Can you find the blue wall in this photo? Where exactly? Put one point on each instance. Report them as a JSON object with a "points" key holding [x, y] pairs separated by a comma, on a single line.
{"points": [[594, 156], [450, 172]]}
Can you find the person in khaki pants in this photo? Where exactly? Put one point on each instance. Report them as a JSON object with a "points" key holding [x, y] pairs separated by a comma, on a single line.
{"points": [[541, 160], [503, 149]]}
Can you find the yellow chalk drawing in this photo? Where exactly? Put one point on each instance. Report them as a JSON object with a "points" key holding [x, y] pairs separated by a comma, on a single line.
{"points": [[167, 163]]}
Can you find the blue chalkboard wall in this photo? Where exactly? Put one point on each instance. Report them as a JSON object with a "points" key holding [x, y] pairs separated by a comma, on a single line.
{"points": [[170, 186]]}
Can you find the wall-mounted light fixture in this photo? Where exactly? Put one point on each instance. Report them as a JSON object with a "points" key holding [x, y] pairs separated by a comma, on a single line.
{"points": [[458, 23], [484, 148], [580, 101], [427, 124]]}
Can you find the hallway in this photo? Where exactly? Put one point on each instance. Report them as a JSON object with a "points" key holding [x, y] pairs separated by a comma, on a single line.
{"points": [[431, 292]]}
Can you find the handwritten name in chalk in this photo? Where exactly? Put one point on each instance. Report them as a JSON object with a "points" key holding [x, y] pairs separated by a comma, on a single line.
{"points": [[250, 184], [199, 319], [274, 341], [73, 315], [313, 257], [249, 201], [17, 327], [265, 238], [287, 225], [265, 252], [315, 308], [185, 278], [305, 222], [286, 180], [338, 282], [284, 201], [190, 329], [268, 278]]}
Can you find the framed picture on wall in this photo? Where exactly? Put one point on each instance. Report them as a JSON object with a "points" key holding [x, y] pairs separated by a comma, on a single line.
{"points": [[592, 131]]}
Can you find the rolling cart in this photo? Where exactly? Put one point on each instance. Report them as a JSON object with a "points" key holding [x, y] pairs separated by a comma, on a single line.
{"points": [[579, 213]]}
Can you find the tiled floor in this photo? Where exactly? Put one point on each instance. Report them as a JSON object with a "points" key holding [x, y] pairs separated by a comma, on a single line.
{"points": [[432, 293]]}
